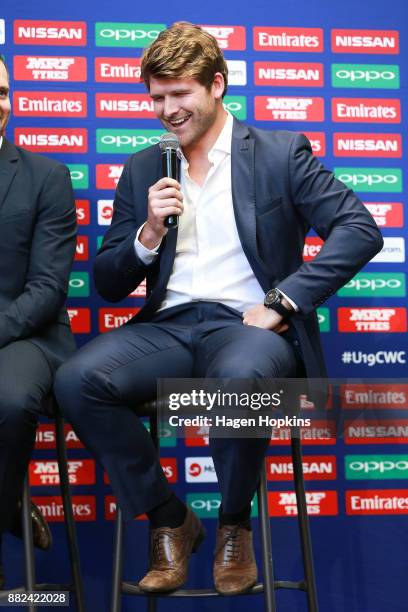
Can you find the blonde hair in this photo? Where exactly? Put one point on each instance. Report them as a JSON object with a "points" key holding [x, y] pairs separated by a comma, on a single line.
{"points": [[184, 51]]}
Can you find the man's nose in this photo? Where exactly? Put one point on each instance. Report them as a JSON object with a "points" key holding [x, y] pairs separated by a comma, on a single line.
{"points": [[170, 106]]}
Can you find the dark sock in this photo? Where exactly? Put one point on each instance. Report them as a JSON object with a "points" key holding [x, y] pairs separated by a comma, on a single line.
{"points": [[171, 513], [236, 518]]}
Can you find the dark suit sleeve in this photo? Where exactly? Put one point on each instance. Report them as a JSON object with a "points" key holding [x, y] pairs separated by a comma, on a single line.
{"points": [[339, 218], [117, 268], [51, 253]]}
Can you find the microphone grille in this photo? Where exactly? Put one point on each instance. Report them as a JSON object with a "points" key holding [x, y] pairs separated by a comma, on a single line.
{"points": [[169, 141]]}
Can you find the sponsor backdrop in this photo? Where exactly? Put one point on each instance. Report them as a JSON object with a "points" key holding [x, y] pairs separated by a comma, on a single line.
{"points": [[336, 75]]}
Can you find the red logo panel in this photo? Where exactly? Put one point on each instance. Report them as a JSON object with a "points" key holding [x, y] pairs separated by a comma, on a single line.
{"points": [[80, 319], [45, 473], [117, 70], [111, 318], [318, 433], [45, 437], [82, 212], [49, 104], [52, 140], [134, 106], [372, 319], [315, 467], [318, 142], [231, 38], [82, 248], [319, 503], [366, 110], [365, 41], [376, 431], [49, 68], [377, 501], [108, 175], [268, 108], [55, 33], [388, 396], [386, 214], [312, 247], [367, 145], [288, 39], [288, 74], [84, 507]]}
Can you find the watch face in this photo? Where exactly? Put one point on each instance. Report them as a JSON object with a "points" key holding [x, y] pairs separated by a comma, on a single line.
{"points": [[272, 297]]}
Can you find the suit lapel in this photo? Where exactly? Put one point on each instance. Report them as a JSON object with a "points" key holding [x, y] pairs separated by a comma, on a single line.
{"points": [[8, 168], [243, 197]]}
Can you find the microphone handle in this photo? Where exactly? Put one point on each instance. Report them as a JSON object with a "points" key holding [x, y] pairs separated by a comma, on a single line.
{"points": [[170, 168]]}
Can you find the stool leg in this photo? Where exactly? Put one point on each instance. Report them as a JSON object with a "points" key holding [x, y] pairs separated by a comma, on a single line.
{"points": [[303, 520], [151, 600], [117, 562], [28, 542], [266, 542], [69, 522]]}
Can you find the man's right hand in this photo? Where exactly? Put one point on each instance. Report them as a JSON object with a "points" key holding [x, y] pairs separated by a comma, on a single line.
{"points": [[165, 199]]}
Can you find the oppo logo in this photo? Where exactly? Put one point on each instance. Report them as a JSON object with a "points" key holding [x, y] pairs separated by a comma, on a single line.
{"points": [[132, 141], [77, 175], [76, 283], [379, 466], [365, 75], [368, 179], [374, 283], [233, 106], [131, 34], [206, 505]]}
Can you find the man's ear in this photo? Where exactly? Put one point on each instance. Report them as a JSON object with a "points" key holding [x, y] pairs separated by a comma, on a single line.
{"points": [[218, 85]]}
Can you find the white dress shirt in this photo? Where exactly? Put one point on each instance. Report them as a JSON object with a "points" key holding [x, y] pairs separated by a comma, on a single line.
{"points": [[210, 264]]}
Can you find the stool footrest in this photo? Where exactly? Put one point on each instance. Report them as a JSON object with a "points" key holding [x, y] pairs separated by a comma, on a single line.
{"points": [[131, 588], [300, 585]]}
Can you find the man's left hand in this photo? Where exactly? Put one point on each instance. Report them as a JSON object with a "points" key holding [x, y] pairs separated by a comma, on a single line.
{"points": [[267, 318]]}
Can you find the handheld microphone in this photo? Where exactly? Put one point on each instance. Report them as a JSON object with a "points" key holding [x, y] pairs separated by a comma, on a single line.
{"points": [[169, 144]]}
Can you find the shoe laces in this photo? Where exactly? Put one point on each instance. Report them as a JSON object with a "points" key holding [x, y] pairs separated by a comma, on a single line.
{"points": [[158, 540], [232, 543]]}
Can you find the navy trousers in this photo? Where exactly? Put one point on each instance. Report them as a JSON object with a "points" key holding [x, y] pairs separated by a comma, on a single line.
{"points": [[99, 388], [25, 380]]}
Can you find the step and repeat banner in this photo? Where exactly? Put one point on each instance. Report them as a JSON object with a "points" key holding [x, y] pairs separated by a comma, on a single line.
{"points": [[338, 77]]}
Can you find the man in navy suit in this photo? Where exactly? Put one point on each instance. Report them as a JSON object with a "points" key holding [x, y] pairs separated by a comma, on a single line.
{"points": [[228, 295], [37, 246]]}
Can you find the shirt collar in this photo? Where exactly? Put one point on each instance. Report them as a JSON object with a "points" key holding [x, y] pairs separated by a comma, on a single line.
{"points": [[222, 144], [1, 141]]}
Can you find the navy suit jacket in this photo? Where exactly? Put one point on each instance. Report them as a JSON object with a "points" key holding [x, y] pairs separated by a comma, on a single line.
{"points": [[279, 190], [37, 246]]}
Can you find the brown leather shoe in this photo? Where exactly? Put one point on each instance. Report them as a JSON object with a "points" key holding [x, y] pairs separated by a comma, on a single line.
{"points": [[235, 568], [170, 554], [42, 537]]}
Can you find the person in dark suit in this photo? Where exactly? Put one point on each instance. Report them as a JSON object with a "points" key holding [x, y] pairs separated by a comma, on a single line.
{"points": [[37, 246], [228, 295]]}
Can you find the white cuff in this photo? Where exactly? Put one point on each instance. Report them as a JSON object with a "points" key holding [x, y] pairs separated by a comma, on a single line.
{"points": [[291, 302], [146, 256]]}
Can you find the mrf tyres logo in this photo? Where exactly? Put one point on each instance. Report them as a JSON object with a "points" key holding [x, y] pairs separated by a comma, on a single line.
{"points": [[372, 319], [230, 38], [371, 179], [375, 284], [40, 68], [319, 503], [365, 41], [127, 34], [367, 76], [386, 214], [65, 33], [125, 141], [268, 108], [378, 467]]}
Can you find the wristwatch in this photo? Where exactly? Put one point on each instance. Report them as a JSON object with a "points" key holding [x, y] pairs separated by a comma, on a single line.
{"points": [[273, 300]]}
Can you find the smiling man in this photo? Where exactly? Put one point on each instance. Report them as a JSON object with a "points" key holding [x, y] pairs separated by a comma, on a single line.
{"points": [[228, 295], [37, 246]]}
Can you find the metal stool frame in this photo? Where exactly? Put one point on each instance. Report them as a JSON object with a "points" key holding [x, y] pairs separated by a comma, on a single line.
{"points": [[72, 542], [269, 585]]}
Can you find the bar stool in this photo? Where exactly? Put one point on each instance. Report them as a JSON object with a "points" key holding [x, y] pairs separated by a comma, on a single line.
{"points": [[269, 585], [50, 408]]}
